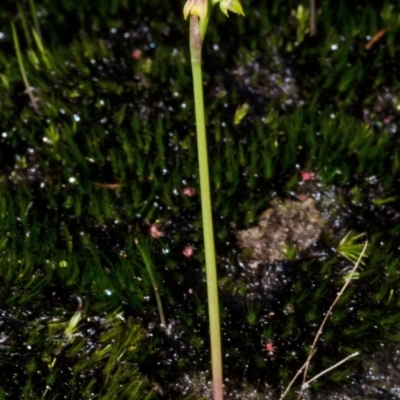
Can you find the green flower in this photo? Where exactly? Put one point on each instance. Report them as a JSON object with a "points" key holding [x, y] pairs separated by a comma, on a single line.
{"points": [[196, 7]]}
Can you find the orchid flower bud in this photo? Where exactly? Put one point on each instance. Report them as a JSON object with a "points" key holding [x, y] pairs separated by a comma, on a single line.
{"points": [[196, 7]]}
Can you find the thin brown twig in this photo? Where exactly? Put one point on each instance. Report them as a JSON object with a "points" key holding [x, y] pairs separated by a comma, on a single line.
{"points": [[328, 314], [320, 330], [379, 35], [295, 377]]}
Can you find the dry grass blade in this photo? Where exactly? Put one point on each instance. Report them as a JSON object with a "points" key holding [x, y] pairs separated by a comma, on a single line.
{"points": [[305, 385], [305, 367]]}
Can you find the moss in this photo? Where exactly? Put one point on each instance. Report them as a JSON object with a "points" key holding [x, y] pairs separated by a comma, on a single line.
{"points": [[111, 150]]}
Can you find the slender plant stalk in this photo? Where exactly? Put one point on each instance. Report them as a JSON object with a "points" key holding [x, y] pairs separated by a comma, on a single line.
{"points": [[199, 11], [35, 18], [313, 29], [313, 349], [208, 231], [24, 23], [149, 266], [22, 68]]}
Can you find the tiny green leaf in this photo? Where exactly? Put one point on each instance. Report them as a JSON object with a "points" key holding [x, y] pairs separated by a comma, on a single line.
{"points": [[240, 113]]}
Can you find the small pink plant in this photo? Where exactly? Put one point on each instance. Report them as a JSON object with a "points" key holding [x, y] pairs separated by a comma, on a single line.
{"points": [[307, 176], [155, 233], [302, 197], [188, 251], [270, 348], [136, 54], [189, 191]]}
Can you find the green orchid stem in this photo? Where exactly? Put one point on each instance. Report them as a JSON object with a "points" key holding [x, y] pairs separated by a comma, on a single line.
{"points": [[208, 232]]}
